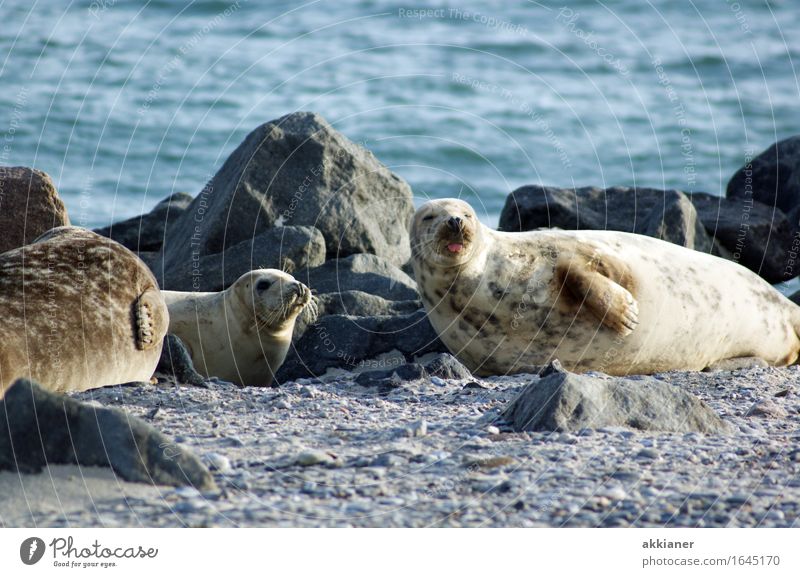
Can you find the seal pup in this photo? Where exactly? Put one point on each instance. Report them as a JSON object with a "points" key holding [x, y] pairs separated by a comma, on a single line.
{"points": [[241, 334], [78, 311], [614, 302]]}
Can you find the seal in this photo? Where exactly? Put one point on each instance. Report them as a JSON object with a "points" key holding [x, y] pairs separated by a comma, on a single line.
{"points": [[241, 334], [78, 311], [614, 302]]}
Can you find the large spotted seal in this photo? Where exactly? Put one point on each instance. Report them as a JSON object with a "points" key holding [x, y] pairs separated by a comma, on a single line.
{"points": [[609, 301], [78, 311], [241, 334]]}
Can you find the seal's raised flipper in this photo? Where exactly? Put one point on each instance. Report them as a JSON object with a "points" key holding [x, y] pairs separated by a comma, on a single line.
{"points": [[607, 300], [151, 319]]}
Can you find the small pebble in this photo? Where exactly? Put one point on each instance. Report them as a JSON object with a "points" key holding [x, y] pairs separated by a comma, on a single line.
{"points": [[313, 457]]}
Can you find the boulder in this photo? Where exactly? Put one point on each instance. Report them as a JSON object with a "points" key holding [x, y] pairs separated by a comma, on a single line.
{"points": [[38, 427], [771, 178], [346, 342], [757, 236], [752, 234], [353, 303], [361, 272], [287, 248], [297, 170], [29, 206], [566, 402], [676, 221], [145, 233]]}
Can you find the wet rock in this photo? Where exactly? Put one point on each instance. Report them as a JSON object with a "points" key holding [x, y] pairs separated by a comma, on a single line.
{"points": [[38, 427], [29, 206], [176, 363], [145, 233], [772, 178], [339, 341], [297, 170], [568, 402], [287, 248]]}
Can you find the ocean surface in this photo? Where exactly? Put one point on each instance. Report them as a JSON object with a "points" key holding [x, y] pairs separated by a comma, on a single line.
{"points": [[124, 103]]}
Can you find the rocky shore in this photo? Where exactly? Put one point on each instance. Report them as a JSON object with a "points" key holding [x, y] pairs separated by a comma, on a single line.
{"points": [[430, 452], [373, 422]]}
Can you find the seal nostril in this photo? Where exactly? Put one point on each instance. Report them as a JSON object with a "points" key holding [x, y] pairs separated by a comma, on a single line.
{"points": [[454, 224]]}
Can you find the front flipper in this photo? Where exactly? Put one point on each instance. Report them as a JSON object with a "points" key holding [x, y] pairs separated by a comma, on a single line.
{"points": [[611, 303]]}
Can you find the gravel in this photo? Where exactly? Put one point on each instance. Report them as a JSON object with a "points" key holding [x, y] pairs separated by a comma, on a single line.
{"points": [[327, 452]]}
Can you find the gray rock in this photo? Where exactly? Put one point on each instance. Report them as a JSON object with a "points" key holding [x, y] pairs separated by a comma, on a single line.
{"points": [[354, 303], [773, 177], [287, 248], [750, 233], [568, 402], [29, 206], [145, 233], [339, 341], [176, 363], [676, 221], [313, 457], [297, 170], [444, 365], [361, 272], [38, 427]]}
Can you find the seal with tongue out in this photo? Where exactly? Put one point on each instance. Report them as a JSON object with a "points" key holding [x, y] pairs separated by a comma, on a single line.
{"points": [[606, 301]]}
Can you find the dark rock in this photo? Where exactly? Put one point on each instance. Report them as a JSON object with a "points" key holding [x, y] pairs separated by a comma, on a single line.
{"points": [[297, 170], [757, 236], [29, 206], [346, 342], [752, 234], [676, 221], [176, 363], [146, 232], [771, 178], [353, 303], [660, 213], [38, 427], [286, 248], [362, 272], [568, 402], [388, 379], [446, 366]]}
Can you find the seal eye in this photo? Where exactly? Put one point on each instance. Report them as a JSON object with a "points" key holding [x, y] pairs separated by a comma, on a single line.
{"points": [[429, 217], [263, 285]]}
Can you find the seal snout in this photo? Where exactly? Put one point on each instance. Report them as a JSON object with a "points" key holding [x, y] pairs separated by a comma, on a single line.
{"points": [[455, 224]]}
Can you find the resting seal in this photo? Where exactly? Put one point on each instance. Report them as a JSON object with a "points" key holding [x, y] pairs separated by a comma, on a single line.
{"points": [[241, 334], [608, 301], [78, 311]]}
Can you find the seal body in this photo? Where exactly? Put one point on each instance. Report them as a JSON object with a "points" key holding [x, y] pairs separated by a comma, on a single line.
{"points": [[241, 334], [78, 311], [607, 301]]}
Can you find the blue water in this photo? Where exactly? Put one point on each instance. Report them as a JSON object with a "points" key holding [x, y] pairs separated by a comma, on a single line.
{"points": [[125, 102]]}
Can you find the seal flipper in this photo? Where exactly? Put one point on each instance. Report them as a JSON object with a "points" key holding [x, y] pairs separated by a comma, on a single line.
{"points": [[151, 319], [607, 300]]}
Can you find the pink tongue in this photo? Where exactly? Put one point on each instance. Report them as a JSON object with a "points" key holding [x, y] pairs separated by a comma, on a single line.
{"points": [[455, 247]]}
